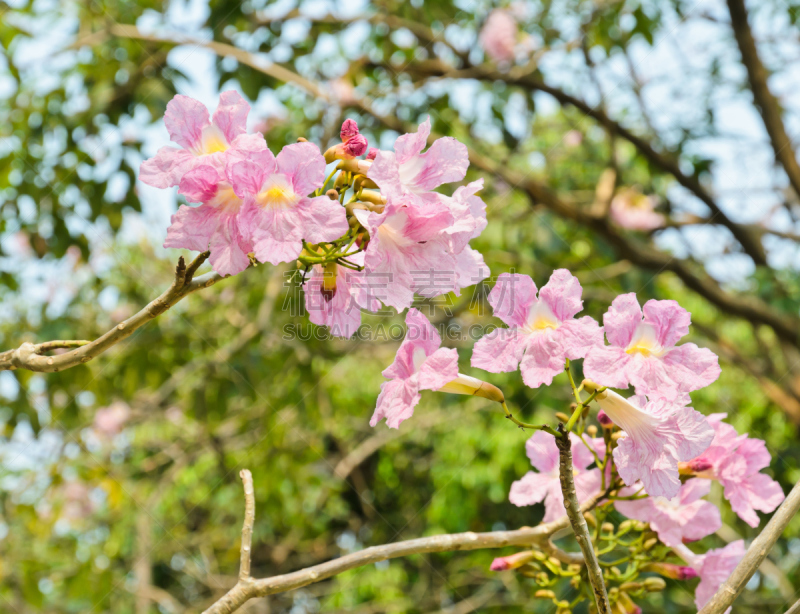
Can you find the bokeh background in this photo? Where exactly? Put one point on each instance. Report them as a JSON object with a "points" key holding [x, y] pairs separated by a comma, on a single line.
{"points": [[118, 479]]}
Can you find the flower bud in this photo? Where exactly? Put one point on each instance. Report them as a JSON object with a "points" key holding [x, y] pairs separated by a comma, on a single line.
{"points": [[562, 417], [332, 194], [626, 606], [372, 153], [669, 570], [349, 130], [464, 384], [607, 527], [654, 585], [650, 543], [591, 430], [604, 420], [630, 586], [544, 594], [512, 561]]}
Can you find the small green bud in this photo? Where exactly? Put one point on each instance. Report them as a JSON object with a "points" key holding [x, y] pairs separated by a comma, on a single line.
{"points": [[591, 430], [650, 543], [626, 525], [562, 417], [607, 527], [630, 586], [543, 594], [654, 585]]}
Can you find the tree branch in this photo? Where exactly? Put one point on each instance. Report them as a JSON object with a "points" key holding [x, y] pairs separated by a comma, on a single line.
{"points": [[538, 536], [749, 241], [767, 104], [755, 554], [578, 522], [29, 356]]}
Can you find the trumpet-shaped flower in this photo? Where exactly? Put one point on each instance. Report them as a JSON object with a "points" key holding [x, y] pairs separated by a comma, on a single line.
{"points": [[498, 36], [278, 213], [542, 332], [544, 484], [406, 244], [335, 295], [686, 517], [736, 461], [658, 435], [408, 171], [421, 364], [203, 141], [643, 351]]}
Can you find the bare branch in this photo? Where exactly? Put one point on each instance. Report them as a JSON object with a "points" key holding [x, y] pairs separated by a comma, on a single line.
{"points": [[29, 355], [795, 609], [755, 554], [247, 527], [767, 104], [578, 522], [538, 536]]}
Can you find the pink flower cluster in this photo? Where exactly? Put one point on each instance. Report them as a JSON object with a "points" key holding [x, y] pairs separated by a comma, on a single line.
{"points": [[250, 200], [419, 242], [736, 461], [253, 204]]}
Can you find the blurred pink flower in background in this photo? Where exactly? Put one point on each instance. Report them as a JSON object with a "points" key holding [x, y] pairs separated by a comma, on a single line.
{"points": [[110, 420], [498, 37], [633, 210]]}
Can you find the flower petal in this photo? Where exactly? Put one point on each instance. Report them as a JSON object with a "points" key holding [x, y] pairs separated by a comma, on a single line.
{"points": [[166, 168], [185, 119], [622, 319], [304, 165], [396, 402], [409, 145], [231, 115], [323, 219], [607, 365], [498, 352], [192, 227], [562, 293], [531, 489], [542, 451], [670, 320], [512, 297], [438, 369]]}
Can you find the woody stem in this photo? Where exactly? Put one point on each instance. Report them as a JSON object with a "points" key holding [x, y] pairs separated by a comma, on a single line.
{"points": [[578, 522]]}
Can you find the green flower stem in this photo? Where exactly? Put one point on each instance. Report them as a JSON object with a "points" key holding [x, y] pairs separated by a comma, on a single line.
{"points": [[524, 425]]}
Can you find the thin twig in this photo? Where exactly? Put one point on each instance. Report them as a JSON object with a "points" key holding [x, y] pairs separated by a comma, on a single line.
{"points": [[756, 553], [578, 522], [247, 527], [29, 355]]}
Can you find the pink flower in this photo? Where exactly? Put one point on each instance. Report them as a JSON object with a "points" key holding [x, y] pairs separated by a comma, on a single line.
{"points": [[544, 484], [408, 171], [372, 153], [406, 245], [214, 225], [542, 332], [633, 210], [686, 517], [202, 141], [278, 213], [499, 36], [643, 351], [658, 435], [669, 570], [110, 420], [335, 295], [420, 364], [713, 567], [736, 461]]}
